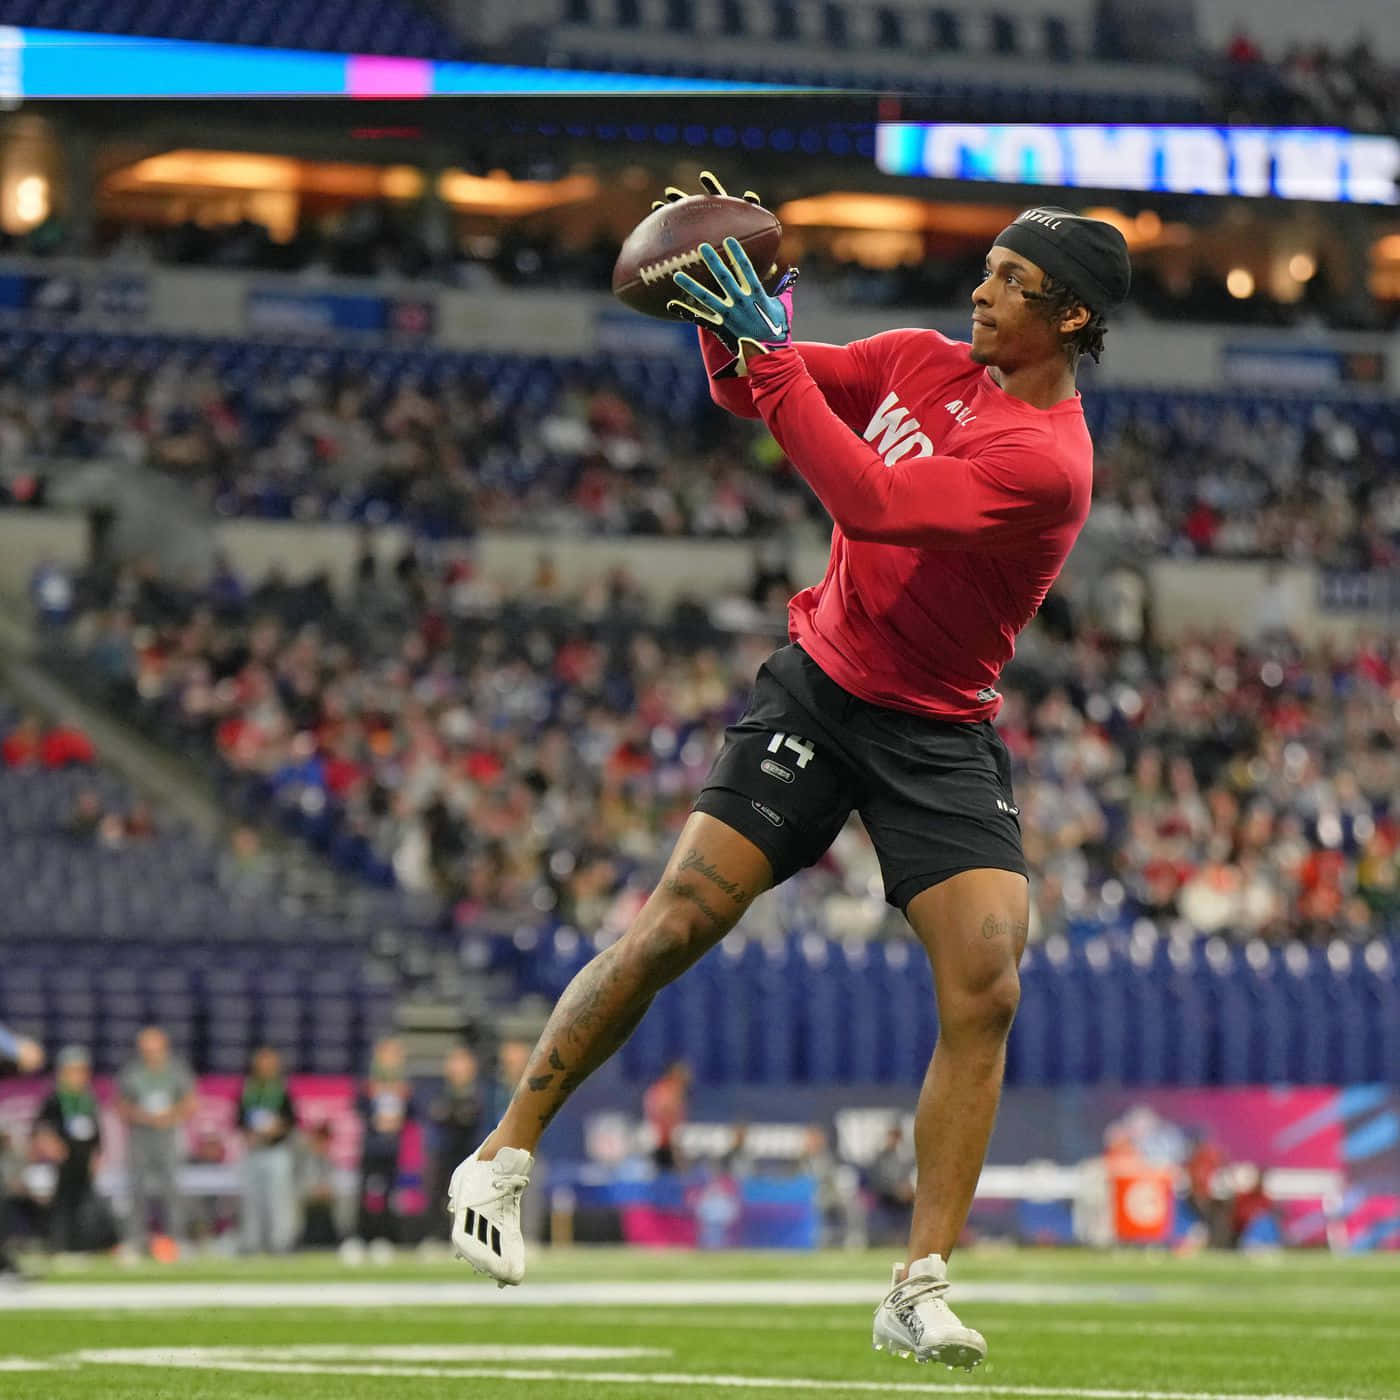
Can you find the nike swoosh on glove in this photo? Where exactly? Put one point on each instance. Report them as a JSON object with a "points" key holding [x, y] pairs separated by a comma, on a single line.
{"points": [[742, 314]]}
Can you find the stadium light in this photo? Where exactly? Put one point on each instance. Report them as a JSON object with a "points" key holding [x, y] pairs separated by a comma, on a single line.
{"points": [[1302, 267], [1240, 283], [31, 200]]}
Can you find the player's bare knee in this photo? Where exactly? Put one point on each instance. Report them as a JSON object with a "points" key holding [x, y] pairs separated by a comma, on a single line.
{"points": [[982, 1009], [999, 1002]]}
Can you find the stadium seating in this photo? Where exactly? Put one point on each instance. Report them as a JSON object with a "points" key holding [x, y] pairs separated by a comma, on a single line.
{"points": [[38, 357], [398, 27], [218, 999], [964, 62], [1130, 1008], [362, 828], [165, 887], [666, 395], [252, 378], [943, 97], [100, 938]]}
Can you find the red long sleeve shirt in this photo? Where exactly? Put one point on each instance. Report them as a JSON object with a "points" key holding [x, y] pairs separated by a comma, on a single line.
{"points": [[955, 506]]}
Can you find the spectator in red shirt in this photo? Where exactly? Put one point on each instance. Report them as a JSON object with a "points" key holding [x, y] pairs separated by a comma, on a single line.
{"points": [[1243, 49], [22, 743], [61, 746], [1213, 1207], [664, 1108]]}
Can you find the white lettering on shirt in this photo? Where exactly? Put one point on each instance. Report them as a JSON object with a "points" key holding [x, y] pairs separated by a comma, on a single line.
{"points": [[898, 432]]}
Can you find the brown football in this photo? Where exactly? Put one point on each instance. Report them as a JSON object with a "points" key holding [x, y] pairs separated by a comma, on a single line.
{"points": [[668, 240]]}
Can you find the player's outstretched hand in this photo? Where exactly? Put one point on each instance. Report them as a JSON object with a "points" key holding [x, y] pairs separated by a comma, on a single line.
{"points": [[29, 1056], [748, 319], [712, 186]]}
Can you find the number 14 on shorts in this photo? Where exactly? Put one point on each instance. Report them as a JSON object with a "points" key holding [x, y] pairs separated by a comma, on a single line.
{"points": [[804, 751]]}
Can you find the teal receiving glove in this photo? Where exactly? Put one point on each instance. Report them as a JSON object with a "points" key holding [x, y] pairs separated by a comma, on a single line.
{"points": [[748, 319]]}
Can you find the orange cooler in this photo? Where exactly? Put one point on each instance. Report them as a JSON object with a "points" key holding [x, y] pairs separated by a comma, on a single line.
{"points": [[1144, 1202]]}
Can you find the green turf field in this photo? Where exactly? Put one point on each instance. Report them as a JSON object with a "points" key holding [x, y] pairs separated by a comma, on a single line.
{"points": [[594, 1324]]}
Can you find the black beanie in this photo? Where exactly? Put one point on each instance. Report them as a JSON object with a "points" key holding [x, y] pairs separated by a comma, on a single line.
{"points": [[1088, 256]]}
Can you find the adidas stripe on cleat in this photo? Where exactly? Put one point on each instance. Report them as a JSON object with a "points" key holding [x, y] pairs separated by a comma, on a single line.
{"points": [[483, 1199], [478, 1225]]}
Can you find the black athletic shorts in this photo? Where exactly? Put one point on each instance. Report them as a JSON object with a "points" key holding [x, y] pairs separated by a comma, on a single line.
{"points": [[934, 795]]}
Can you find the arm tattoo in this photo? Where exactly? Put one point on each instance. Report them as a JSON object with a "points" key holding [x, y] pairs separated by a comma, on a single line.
{"points": [[693, 860], [540, 1081]]}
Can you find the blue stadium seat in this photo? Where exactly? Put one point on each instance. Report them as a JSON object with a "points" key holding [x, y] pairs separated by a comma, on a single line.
{"points": [[398, 27], [946, 30], [775, 1004], [1058, 44], [735, 1051]]}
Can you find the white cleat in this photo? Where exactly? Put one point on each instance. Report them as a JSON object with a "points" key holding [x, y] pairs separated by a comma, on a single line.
{"points": [[915, 1320], [483, 1199]]}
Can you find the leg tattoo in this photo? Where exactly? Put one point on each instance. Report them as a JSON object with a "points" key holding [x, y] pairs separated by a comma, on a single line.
{"points": [[604, 1003], [992, 927], [600, 1008]]}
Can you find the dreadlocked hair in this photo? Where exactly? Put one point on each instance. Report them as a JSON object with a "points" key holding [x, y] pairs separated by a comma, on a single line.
{"points": [[1056, 301]]}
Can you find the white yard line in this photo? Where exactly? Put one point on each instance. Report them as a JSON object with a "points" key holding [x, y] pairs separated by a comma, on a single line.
{"points": [[175, 1359], [815, 1321], [162, 1297], [419, 1353]]}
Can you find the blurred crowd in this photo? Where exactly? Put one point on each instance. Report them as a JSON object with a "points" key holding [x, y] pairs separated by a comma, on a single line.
{"points": [[94, 819], [1324, 492], [274, 1180], [1324, 83], [597, 459], [520, 754], [379, 239], [376, 241], [1218, 785], [531, 756], [450, 460], [1198, 293]]}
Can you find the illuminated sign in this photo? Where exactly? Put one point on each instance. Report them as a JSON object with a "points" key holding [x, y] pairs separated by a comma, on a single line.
{"points": [[65, 63], [1314, 163]]}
